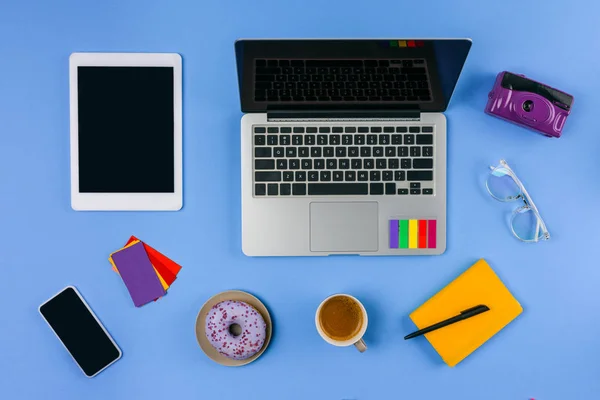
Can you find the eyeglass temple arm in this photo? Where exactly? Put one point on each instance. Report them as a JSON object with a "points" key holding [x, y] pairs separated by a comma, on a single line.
{"points": [[529, 202]]}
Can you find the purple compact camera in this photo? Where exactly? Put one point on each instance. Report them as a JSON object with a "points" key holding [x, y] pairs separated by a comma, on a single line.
{"points": [[528, 103]]}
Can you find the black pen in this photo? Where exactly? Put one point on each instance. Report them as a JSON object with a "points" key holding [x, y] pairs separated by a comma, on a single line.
{"points": [[471, 312]]}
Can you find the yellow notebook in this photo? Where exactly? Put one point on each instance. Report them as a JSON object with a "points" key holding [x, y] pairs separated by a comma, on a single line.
{"points": [[477, 285]]}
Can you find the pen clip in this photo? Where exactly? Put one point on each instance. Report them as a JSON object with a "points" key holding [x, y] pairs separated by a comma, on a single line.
{"points": [[476, 308]]}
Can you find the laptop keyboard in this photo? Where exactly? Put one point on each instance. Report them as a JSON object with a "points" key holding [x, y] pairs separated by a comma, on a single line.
{"points": [[341, 80], [343, 160]]}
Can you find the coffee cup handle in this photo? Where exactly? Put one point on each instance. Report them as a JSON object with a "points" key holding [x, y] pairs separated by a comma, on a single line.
{"points": [[361, 345]]}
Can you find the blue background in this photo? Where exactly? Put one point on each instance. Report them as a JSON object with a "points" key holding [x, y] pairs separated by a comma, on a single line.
{"points": [[550, 352]]}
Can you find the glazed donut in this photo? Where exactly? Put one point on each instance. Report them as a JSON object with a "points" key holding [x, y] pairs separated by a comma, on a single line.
{"points": [[235, 329]]}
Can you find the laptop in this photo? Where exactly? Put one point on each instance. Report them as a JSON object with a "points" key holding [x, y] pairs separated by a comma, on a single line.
{"points": [[343, 145]]}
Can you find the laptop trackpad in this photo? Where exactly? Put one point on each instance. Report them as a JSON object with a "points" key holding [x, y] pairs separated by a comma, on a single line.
{"points": [[344, 227]]}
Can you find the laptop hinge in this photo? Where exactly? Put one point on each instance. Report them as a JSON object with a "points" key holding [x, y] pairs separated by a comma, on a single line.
{"points": [[343, 115]]}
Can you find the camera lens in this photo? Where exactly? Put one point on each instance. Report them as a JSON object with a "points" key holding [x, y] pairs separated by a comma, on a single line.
{"points": [[527, 105]]}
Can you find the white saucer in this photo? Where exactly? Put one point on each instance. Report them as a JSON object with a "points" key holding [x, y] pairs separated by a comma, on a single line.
{"points": [[232, 295]]}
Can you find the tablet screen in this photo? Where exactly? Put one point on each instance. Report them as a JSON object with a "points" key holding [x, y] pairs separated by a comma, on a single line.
{"points": [[126, 129]]}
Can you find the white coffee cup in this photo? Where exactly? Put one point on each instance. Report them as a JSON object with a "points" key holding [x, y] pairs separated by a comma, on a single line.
{"points": [[356, 339]]}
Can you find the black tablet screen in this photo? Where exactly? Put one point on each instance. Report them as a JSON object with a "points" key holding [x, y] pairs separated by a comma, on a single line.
{"points": [[126, 130]]}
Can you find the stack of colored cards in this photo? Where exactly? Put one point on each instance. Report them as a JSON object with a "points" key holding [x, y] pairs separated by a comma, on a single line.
{"points": [[147, 274]]}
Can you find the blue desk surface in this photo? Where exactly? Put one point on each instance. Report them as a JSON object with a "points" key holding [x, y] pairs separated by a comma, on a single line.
{"points": [[44, 245]]}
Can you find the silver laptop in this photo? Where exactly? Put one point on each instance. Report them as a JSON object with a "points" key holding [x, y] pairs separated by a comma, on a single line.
{"points": [[344, 145]]}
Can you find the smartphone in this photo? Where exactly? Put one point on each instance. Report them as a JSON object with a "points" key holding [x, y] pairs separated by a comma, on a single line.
{"points": [[80, 331]]}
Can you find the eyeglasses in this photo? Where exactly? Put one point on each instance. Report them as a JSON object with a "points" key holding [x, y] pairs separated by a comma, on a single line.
{"points": [[526, 223]]}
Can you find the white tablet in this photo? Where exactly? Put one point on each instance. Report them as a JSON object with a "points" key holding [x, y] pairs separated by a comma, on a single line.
{"points": [[125, 131]]}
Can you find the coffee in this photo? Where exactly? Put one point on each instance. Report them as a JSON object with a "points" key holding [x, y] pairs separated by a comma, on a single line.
{"points": [[341, 318]]}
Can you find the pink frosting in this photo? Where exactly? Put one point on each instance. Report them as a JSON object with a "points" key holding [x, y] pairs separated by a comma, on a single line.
{"points": [[253, 329]]}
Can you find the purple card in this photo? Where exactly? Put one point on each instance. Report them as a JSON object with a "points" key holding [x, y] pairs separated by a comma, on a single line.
{"points": [[138, 274]]}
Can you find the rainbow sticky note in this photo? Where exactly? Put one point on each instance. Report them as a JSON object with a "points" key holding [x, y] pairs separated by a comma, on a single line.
{"points": [[138, 275], [164, 284], [413, 233], [164, 268], [163, 264]]}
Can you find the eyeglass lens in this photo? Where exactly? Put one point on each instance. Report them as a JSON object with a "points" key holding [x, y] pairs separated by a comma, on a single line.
{"points": [[501, 185], [525, 224]]}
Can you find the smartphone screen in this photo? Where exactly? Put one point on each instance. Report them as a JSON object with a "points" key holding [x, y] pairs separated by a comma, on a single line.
{"points": [[80, 331]]}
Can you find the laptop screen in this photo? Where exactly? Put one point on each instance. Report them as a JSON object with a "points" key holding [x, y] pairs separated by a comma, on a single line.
{"points": [[349, 74]]}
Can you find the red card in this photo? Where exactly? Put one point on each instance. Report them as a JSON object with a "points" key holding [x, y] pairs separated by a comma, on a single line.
{"points": [[166, 267]]}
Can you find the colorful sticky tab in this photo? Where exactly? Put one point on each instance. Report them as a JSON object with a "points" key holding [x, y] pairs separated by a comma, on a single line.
{"points": [[394, 231], [403, 242], [411, 43], [401, 43], [432, 232], [413, 234], [422, 244]]}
